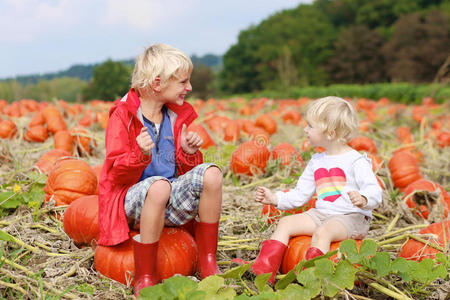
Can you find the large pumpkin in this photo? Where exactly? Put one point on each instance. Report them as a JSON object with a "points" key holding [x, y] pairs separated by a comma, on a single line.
{"points": [[69, 180], [297, 248], [404, 169], [415, 250], [54, 119], [267, 123], [363, 143], [201, 131], [81, 220], [63, 140], [250, 158], [177, 254], [416, 193], [285, 152], [47, 161], [37, 133], [7, 129]]}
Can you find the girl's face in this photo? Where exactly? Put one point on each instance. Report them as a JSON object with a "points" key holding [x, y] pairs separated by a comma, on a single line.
{"points": [[177, 88], [315, 134]]}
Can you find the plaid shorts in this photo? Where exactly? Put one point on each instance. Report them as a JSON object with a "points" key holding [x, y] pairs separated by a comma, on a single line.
{"points": [[184, 197]]}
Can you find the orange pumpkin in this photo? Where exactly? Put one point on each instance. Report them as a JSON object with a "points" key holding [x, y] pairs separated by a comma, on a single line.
{"points": [[201, 131], [285, 152], [69, 180], [404, 169], [232, 132], [415, 250], [297, 248], [46, 162], [177, 254], [38, 119], [363, 143], [267, 123], [414, 196], [84, 144], [292, 117], [63, 140], [36, 133], [250, 158], [54, 119], [7, 129], [81, 220]]}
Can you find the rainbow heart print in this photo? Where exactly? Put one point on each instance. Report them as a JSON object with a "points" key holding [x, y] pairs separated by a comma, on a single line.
{"points": [[329, 183]]}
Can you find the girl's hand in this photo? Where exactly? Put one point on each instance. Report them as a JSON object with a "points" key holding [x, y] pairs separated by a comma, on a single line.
{"points": [[265, 196], [190, 141], [145, 142], [357, 199]]}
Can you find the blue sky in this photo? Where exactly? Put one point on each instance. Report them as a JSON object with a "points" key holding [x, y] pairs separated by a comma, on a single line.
{"points": [[42, 36]]}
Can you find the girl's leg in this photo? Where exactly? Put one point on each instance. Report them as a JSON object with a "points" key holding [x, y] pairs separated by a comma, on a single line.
{"points": [[330, 231], [153, 211], [299, 224], [272, 251]]}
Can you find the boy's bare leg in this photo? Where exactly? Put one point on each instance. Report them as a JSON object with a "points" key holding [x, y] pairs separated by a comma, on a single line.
{"points": [[211, 198], [153, 211]]}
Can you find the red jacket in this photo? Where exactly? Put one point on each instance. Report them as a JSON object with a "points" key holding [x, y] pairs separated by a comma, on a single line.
{"points": [[125, 162]]}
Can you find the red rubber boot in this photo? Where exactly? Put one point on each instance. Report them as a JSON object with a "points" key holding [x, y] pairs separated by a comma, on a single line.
{"points": [[144, 264], [269, 258], [206, 235], [313, 252]]}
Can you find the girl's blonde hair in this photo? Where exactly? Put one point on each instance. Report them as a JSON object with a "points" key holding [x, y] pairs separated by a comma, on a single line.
{"points": [[159, 60], [334, 114]]}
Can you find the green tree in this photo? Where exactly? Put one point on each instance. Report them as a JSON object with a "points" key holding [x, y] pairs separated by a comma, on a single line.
{"points": [[202, 79], [419, 47], [357, 57], [110, 81]]}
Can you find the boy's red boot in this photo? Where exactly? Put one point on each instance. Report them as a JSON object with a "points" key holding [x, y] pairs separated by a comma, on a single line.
{"points": [[145, 273], [313, 252], [269, 258], [206, 235]]}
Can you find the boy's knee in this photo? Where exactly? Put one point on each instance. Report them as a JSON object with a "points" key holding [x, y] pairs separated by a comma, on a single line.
{"points": [[212, 177], [159, 191]]}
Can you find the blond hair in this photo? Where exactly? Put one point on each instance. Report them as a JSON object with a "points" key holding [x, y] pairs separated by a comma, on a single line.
{"points": [[334, 114], [159, 60]]}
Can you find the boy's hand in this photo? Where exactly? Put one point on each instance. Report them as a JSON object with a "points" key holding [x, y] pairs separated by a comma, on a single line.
{"points": [[357, 199], [145, 142], [190, 141], [265, 196]]}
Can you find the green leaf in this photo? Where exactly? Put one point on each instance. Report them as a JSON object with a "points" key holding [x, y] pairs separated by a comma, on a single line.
{"points": [[37, 178], [261, 282], [399, 265], [6, 237], [311, 285], [344, 275], [10, 200], [368, 248], [423, 271], [211, 284], [155, 292], [348, 247], [441, 258], [439, 272], [293, 292], [381, 262], [236, 272], [179, 286], [227, 293], [286, 280]]}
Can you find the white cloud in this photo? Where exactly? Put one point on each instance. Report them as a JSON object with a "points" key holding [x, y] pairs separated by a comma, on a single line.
{"points": [[141, 14], [25, 20]]}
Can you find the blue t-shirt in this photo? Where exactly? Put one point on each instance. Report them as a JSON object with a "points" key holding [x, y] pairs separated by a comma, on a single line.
{"points": [[163, 154]]}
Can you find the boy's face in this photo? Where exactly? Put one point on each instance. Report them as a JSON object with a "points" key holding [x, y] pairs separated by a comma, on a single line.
{"points": [[177, 88]]}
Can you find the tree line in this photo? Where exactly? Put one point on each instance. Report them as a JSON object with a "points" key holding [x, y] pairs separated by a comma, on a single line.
{"points": [[324, 43]]}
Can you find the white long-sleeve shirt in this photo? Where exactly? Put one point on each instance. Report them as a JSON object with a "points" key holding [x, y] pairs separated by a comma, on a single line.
{"points": [[332, 177]]}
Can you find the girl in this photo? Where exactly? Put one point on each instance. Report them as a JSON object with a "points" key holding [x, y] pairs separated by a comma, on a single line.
{"points": [[347, 189]]}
